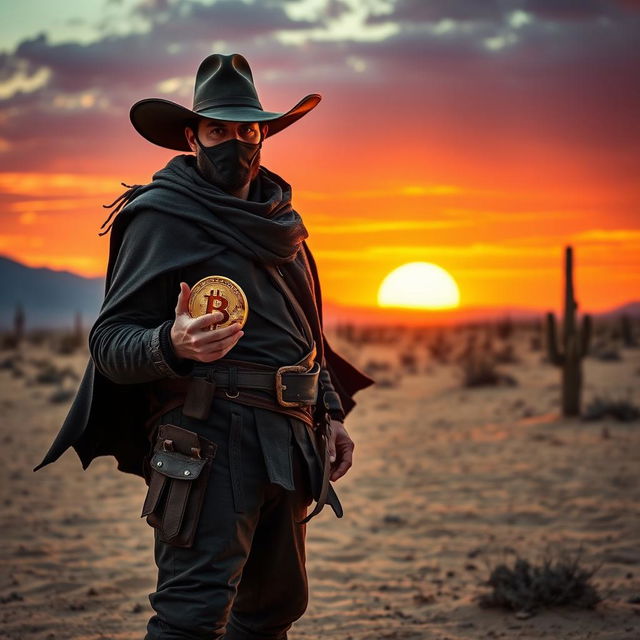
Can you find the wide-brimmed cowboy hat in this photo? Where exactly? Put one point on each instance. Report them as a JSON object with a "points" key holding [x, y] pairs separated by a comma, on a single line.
{"points": [[224, 90]]}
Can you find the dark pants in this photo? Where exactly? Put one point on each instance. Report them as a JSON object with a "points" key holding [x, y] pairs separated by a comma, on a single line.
{"points": [[245, 576]]}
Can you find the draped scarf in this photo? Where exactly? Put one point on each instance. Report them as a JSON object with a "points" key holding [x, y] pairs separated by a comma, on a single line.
{"points": [[264, 227]]}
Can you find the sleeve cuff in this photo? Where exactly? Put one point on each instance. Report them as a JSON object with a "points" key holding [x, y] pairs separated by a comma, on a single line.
{"points": [[164, 358]]}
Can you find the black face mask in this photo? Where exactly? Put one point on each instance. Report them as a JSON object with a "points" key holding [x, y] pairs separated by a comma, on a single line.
{"points": [[231, 162]]}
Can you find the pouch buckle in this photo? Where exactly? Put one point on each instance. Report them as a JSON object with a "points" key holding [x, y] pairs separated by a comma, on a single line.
{"points": [[280, 386]]}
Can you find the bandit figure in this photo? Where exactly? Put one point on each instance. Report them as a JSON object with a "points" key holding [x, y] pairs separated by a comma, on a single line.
{"points": [[210, 375]]}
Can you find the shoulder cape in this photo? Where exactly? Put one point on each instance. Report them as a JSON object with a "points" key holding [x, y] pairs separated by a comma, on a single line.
{"points": [[106, 418]]}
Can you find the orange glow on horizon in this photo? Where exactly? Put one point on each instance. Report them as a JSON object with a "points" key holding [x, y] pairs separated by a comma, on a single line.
{"points": [[503, 253]]}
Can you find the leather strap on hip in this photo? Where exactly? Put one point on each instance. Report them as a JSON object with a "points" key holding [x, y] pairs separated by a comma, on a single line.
{"points": [[323, 433]]}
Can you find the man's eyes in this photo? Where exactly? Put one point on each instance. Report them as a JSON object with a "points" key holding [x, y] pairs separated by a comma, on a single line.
{"points": [[221, 130]]}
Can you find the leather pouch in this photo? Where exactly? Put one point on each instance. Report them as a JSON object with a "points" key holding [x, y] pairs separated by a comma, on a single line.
{"points": [[178, 473]]}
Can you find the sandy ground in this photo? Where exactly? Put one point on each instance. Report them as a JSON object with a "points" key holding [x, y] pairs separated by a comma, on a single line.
{"points": [[446, 481]]}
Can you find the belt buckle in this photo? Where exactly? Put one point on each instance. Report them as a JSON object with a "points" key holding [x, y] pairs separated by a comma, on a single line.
{"points": [[280, 386]]}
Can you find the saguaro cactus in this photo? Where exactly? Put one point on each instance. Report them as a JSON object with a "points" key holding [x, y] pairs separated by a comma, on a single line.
{"points": [[626, 329], [575, 343], [78, 330], [18, 324]]}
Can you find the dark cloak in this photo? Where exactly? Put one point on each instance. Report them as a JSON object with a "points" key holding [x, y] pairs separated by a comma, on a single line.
{"points": [[176, 225]]}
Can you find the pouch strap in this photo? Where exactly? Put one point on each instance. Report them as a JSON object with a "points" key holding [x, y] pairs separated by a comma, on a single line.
{"points": [[156, 486], [323, 432], [175, 507]]}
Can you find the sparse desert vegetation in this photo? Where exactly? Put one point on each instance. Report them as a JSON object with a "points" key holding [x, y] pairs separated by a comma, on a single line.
{"points": [[461, 450]]}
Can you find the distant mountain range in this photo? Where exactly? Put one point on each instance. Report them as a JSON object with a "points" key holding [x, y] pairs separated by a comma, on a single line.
{"points": [[49, 298], [52, 298]]}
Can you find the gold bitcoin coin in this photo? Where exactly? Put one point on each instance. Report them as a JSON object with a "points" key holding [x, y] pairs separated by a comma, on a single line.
{"points": [[219, 293]]}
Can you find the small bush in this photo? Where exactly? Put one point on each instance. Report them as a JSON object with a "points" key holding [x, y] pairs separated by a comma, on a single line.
{"points": [[39, 337], [479, 369], [9, 341], [535, 343], [621, 409], [526, 587], [605, 351], [11, 363], [371, 367], [409, 362], [49, 373], [62, 395], [440, 348], [69, 343], [506, 354]]}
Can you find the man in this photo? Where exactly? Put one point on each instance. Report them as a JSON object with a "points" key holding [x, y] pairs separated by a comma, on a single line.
{"points": [[261, 407]]}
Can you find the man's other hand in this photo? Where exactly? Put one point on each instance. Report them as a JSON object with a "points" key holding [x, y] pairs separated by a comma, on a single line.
{"points": [[192, 338], [340, 450]]}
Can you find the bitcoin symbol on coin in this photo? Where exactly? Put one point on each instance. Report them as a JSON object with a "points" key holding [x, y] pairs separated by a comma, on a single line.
{"points": [[219, 293], [222, 304]]}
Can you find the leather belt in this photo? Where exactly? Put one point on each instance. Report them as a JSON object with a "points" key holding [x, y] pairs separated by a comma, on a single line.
{"points": [[290, 389], [291, 385]]}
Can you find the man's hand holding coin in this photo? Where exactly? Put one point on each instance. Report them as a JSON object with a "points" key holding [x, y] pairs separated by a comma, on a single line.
{"points": [[192, 337]]}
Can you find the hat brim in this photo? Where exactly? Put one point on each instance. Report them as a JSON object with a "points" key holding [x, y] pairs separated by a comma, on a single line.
{"points": [[162, 122]]}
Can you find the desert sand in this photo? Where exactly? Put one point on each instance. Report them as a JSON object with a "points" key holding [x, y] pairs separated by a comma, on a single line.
{"points": [[446, 482]]}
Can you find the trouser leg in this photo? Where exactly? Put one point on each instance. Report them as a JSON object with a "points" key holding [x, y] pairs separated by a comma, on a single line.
{"points": [[197, 586], [273, 591]]}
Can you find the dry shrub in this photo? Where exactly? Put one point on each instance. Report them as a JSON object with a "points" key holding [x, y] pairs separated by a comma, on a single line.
{"points": [[62, 395], [605, 351], [506, 354], [527, 587], [49, 373], [69, 343], [40, 337], [535, 343], [478, 369], [371, 367], [9, 341], [409, 362], [621, 409], [440, 348]]}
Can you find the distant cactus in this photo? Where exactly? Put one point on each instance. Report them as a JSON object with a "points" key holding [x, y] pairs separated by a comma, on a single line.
{"points": [[626, 329], [439, 347], [575, 343], [537, 335], [18, 324], [70, 341], [78, 329], [504, 328]]}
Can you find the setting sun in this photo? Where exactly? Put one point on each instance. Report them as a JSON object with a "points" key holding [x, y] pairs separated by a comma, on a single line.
{"points": [[419, 285]]}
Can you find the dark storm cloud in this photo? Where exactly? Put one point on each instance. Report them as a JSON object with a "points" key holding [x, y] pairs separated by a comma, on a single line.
{"points": [[178, 37], [569, 80], [415, 11], [111, 63], [579, 10], [225, 19], [570, 63], [433, 10], [97, 82]]}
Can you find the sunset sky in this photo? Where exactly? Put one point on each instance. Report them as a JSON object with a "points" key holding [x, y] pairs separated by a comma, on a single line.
{"points": [[482, 136]]}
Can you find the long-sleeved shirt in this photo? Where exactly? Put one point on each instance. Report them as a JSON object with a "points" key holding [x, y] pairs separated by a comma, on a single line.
{"points": [[133, 345]]}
